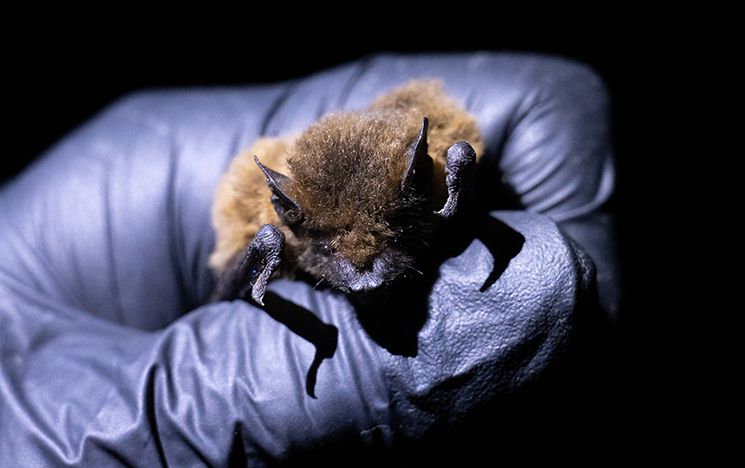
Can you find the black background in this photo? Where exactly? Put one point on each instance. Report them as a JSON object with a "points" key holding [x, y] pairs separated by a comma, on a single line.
{"points": [[670, 394]]}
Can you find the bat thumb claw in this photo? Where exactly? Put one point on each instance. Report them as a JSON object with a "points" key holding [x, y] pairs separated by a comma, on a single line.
{"points": [[449, 210], [259, 299], [258, 296]]}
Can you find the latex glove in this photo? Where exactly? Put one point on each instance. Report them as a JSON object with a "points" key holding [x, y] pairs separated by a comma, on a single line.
{"points": [[108, 356]]}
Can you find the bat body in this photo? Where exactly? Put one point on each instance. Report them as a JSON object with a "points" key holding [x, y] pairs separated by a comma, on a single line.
{"points": [[354, 201]]}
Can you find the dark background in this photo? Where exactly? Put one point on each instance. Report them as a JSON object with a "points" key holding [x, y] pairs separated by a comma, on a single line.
{"points": [[673, 349]]}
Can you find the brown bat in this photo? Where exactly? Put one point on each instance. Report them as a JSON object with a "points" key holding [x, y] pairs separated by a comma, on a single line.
{"points": [[364, 194]]}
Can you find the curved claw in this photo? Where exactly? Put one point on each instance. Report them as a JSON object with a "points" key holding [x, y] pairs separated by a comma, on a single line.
{"points": [[459, 171]]}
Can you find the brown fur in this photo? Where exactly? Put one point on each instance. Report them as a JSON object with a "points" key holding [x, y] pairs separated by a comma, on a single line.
{"points": [[345, 172]]}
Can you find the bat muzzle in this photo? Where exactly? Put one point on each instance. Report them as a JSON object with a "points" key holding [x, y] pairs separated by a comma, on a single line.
{"points": [[366, 283], [356, 280]]}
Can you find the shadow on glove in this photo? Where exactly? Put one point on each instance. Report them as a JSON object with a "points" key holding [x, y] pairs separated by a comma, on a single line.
{"points": [[394, 322], [503, 243], [308, 326]]}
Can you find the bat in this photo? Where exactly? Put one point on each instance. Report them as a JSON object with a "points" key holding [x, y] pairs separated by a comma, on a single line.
{"points": [[353, 202]]}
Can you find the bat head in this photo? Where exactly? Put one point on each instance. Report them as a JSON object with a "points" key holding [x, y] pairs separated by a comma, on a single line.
{"points": [[357, 200]]}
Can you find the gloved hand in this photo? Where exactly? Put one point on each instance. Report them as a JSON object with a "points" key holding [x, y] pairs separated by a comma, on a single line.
{"points": [[108, 355]]}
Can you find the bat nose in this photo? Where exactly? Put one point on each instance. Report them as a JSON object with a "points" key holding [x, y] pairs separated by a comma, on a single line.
{"points": [[366, 282]]}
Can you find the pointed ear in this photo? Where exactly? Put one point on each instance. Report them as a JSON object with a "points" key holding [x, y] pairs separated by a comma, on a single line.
{"points": [[287, 209], [419, 170]]}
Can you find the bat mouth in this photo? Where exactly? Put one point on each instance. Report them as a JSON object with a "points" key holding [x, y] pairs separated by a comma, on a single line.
{"points": [[372, 295]]}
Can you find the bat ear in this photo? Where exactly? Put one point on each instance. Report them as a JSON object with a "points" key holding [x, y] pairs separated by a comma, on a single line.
{"points": [[287, 208], [419, 170]]}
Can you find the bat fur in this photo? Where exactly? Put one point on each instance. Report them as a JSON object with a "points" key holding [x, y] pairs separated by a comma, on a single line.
{"points": [[359, 201]]}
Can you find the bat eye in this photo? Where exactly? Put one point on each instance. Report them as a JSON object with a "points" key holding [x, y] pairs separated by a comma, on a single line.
{"points": [[326, 250]]}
